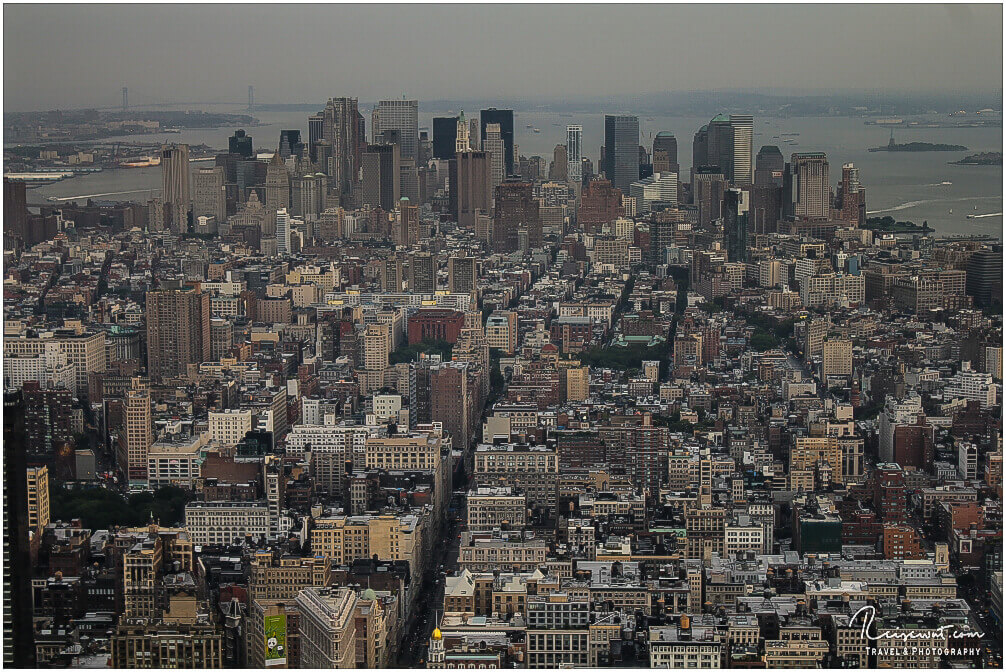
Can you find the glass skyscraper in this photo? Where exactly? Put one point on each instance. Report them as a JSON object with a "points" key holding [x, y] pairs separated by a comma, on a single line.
{"points": [[574, 153], [621, 150]]}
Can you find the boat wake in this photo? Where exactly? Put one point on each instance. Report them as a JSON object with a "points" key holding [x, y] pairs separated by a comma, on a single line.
{"points": [[913, 204]]}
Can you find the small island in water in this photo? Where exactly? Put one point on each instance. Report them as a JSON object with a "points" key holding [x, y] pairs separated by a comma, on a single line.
{"points": [[981, 159], [892, 146]]}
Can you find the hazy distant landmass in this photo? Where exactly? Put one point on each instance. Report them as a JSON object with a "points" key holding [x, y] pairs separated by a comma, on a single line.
{"points": [[919, 147], [981, 159]]}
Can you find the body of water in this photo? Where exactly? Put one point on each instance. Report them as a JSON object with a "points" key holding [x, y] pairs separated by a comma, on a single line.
{"points": [[906, 185]]}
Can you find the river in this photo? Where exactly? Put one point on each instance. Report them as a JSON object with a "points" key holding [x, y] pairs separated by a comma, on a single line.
{"points": [[906, 185]]}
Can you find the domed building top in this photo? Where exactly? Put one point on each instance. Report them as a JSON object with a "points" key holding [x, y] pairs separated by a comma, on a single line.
{"points": [[369, 595], [437, 635]]}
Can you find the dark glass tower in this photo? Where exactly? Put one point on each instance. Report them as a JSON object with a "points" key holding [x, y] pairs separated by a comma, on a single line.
{"points": [[621, 150], [505, 119], [445, 137], [239, 143], [290, 144]]}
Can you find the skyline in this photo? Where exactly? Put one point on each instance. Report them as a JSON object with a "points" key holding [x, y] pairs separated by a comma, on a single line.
{"points": [[490, 52]]}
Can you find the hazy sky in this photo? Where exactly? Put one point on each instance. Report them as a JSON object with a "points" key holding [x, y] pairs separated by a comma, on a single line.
{"points": [[76, 56]]}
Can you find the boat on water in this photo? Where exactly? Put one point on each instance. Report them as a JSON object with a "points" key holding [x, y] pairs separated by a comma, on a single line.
{"points": [[143, 162], [529, 126], [945, 183], [537, 130]]}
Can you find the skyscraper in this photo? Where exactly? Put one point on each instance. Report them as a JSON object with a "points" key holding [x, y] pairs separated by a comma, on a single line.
{"points": [[18, 639], [240, 143], [735, 223], [445, 136], [290, 144], [574, 153], [462, 274], [277, 192], [462, 139], [15, 213], [382, 176], [210, 198], [743, 136], [851, 196], [469, 184], [807, 190], [282, 232], [178, 331], [720, 147], [315, 134], [665, 153], [341, 122], [516, 210], [401, 116], [505, 119], [175, 184], [139, 433], [492, 145], [621, 150], [769, 166], [559, 169]]}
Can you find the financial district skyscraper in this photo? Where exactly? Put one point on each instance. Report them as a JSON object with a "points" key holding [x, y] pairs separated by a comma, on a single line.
{"points": [[574, 153], [401, 116], [175, 185], [505, 119], [621, 150]]}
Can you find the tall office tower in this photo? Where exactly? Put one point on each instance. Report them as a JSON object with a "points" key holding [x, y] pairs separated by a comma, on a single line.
{"points": [[424, 150], [665, 153], [574, 153], [210, 197], [516, 210], [401, 116], [700, 148], [462, 139], [315, 134], [406, 223], [38, 498], [492, 145], [621, 150], [290, 144], [48, 416], [308, 195], [240, 143], [505, 119], [382, 169], [341, 129], [277, 192], [474, 137], [408, 180], [736, 206], [422, 273], [462, 274], [707, 193], [15, 213], [469, 184], [721, 145], [282, 232], [769, 166], [851, 197], [18, 633], [766, 207], [559, 170], [175, 184], [807, 189], [984, 277], [178, 331], [139, 432], [445, 137], [452, 400], [743, 137]]}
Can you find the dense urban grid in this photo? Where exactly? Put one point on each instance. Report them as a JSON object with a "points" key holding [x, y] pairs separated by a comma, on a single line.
{"points": [[378, 396]]}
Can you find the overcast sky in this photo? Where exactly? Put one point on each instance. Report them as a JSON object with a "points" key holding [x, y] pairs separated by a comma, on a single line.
{"points": [[76, 56]]}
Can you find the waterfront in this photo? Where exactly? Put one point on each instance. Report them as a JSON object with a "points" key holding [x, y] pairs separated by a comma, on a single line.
{"points": [[906, 185]]}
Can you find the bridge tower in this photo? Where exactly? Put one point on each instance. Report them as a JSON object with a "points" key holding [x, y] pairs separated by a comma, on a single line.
{"points": [[125, 98], [251, 97]]}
